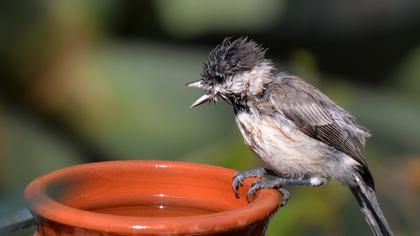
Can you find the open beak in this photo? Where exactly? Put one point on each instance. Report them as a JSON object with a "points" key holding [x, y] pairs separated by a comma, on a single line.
{"points": [[203, 99], [197, 84]]}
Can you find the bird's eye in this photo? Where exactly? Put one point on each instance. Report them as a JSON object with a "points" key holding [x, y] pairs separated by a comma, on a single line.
{"points": [[219, 78]]}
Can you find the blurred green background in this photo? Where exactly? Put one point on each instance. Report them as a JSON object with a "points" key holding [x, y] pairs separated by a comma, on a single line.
{"points": [[84, 81]]}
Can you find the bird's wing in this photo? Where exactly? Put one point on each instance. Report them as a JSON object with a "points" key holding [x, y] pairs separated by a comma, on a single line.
{"points": [[317, 116]]}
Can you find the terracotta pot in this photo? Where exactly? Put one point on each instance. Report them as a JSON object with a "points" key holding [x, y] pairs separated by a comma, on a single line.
{"points": [[146, 198]]}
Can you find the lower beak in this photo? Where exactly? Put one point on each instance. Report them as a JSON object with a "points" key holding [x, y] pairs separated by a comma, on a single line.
{"points": [[203, 99]]}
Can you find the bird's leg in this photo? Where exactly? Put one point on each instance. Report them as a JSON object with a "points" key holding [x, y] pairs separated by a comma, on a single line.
{"points": [[279, 183], [239, 177]]}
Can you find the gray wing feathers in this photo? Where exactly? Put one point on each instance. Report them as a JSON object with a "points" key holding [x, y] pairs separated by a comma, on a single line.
{"points": [[317, 116]]}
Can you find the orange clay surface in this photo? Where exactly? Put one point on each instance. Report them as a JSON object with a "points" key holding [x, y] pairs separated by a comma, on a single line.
{"points": [[146, 198]]}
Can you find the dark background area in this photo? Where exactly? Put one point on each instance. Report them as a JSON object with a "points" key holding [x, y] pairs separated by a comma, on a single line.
{"points": [[84, 81]]}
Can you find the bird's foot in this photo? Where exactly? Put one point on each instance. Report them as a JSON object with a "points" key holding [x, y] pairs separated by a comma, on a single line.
{"points": [[263, 184], [238, 178], [279, 183], [285, 195]]}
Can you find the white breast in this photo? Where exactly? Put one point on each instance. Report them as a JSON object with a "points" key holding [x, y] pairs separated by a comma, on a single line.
{"points": [[286, 150]]}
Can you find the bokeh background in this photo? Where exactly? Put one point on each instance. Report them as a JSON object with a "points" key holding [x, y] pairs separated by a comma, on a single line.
{"points": [[85, 81]]}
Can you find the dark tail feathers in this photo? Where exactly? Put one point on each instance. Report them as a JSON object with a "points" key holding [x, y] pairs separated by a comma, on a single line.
{"points": [[369, 205]]}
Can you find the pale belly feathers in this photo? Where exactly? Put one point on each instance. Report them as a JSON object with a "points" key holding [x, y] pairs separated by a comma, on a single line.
{"points": [[291, 153]]}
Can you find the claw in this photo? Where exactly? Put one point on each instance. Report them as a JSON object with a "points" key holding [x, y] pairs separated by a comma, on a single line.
{"points": [[253, 189], [285, 196], [238, 180]]}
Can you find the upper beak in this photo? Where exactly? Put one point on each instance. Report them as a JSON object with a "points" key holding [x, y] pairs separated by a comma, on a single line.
{"points": [[197, 84], [203, 99]]}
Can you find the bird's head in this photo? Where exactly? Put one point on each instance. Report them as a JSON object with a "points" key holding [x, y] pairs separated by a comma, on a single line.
{"points": [[234, 70]]}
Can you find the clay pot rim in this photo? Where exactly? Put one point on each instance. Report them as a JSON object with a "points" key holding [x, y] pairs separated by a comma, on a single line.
{"points": [[264, 204]]}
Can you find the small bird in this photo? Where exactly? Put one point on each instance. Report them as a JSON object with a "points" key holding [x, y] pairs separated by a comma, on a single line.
{"points": [[300, 134]]}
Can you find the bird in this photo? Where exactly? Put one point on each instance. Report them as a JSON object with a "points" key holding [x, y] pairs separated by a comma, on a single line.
{"points": [[301, 135]]}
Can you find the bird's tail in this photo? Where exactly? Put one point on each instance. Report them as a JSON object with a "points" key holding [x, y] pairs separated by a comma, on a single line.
{"points": [[369, 205]]}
